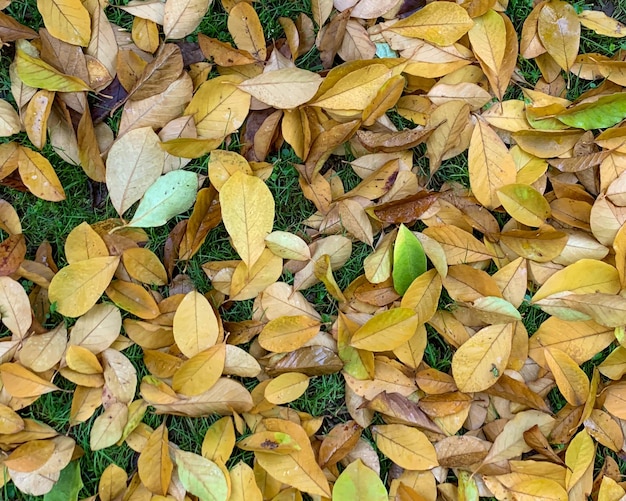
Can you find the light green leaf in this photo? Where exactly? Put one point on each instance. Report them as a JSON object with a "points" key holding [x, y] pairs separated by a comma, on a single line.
{"points": [[68, 485], [409, 259], [605, 112], [201, 477], [170, 195], [358, 481]]}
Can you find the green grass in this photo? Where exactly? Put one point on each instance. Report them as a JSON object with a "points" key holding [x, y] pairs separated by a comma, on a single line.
{"points": [[46, 221]]}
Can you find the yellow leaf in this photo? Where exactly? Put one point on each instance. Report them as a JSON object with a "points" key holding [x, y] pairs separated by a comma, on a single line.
{"points": [[584, 276], [578, 458], [36, 117], [491, 166], [423, 295], [182, 17], [482, 359], [133, 298], [442, 23], [200, 372], [19, 382], [243, 484], [154, 464], [245, 27], [77, 287], [570, 378], [354, 91], [112, 482], [10, 421], [558, 27], [195, 325], [108, 426], [36, 73], [142, 264], [84, 243], [248, 214], [580, 340], [386, 331], [284, 88], [223, 164], [219, 440], [406, 446], [219, 107], [524, 204], [39, 176], [299, 468], [288, 333], [286, 388], [602, 24], [81, 360], [488, 39], [67, 20], [30, 456]]}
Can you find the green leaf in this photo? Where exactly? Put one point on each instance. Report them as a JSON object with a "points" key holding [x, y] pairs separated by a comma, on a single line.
{"points": [[605, 112], [409, 259], [68, 486], [201, 477], [170, 195], [358, 481]]}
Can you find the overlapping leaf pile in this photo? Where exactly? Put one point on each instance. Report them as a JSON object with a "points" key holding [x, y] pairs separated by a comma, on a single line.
{"points": [[542, 224]]}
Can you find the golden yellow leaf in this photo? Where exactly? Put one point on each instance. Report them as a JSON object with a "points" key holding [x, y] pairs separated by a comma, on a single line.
{"points": [[223, 164], [144, 265], [112, 482], [491, 166], [10, 421], [36, 117], [245, 27], [488, 39], [77, 287], [200, 372], [578, 458], [30, 456], [67, 20], [580, 340], [108, 426], [288, 333], [84, 243], [243, 484], [36, 73], [442, 23], [386, 331], [285, 88], [219, 107], [134, 298], [482, 359], [355, 90], [286, 388], [39, 176], [154, 464], [406, 446], [299, 468], [584, 276], [558, 28], [196, 327], [248, 214], [19, 382], [219, 440], [82, 360], [524, 204], [570, 378]]}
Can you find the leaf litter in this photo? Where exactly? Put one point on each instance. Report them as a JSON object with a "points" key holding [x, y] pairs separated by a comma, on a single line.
{"points": [[540, 225]]}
